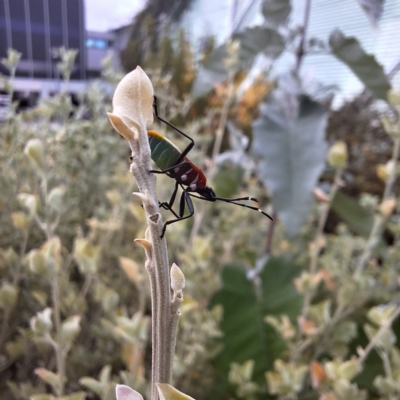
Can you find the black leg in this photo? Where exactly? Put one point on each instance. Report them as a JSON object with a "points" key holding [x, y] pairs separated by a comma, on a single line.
{"points": [[168, 206], [234, 201], [189, 146], [165, 171], [185, 200]]}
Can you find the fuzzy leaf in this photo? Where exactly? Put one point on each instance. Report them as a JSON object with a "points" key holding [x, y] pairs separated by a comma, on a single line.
{"points": [[49, 377], [276, 11], [92, 384], [74, 396], [168, 392], [105, 374], [42, 396], [292, 152], [246, 335], [124, 392], [356, 217], [373, 9], [365, 67]]}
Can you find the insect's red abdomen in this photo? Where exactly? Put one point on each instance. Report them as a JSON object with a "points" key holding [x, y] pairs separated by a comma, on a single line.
{"points": [[189, 175]]}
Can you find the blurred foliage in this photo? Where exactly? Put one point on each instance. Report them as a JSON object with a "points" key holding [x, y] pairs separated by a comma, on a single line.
{"points": [[264, 315]]}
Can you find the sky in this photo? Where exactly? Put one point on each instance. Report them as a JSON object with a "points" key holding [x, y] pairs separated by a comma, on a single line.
{"points": [[102, 15]]}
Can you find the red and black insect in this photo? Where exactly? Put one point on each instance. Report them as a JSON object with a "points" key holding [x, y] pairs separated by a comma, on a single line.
{"points": [[188, 176]]}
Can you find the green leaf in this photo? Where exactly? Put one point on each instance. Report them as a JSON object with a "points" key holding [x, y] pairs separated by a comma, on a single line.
{"points": [[211, 72], [276, 11], [292, 152], [364, 66], [253, 41], [259, 39], [357, 218], [228, 179], [246, 335], [373, 9]]}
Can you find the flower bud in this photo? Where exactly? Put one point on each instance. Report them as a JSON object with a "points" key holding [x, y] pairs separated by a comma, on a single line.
{"points": [[37, 262], [337, 154], [20, 220], [35, 152], [8, 295], [41, 323], [52, 251], [387, 207], [133, 98], [71, 328], [177, 278], [394, 97], [56, 197], [10, 256], [383, 171], [30, 202], [86, 255]]}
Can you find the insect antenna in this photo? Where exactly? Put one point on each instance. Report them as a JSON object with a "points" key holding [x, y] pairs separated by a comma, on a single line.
{"points": [[235, 202], [232, 201]]}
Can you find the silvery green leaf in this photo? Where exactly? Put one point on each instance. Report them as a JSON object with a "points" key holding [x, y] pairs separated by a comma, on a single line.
{"points": [[289, 140]]}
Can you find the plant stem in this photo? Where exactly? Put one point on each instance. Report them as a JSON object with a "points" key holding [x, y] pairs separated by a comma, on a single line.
{"points": [[300, 51], [383, 329], [380, 218], [317, 244], [59, 348], [157, 267]]}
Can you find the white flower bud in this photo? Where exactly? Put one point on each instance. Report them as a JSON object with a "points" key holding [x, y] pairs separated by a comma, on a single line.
{"points": [[337, 154], [35, 152], [177, 278], [133, 98], [8, 295], [37, 262], [71, 328], [41, 323], [29, 201], [56, 197]]}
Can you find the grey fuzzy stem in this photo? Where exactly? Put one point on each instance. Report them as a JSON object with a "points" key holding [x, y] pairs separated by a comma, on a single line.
{"points": [[159, 277], [173, 327]]}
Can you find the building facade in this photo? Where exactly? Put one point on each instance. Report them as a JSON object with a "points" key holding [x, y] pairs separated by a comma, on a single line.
{"points": [[37, 29]]}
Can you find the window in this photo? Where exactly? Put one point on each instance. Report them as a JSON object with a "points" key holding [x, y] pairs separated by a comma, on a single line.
{"points": [[97, 43]]}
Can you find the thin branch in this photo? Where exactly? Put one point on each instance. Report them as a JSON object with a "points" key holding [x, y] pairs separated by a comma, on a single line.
{"points": [[383, 329], [300, 51], [380, 218], [319, 238]]}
